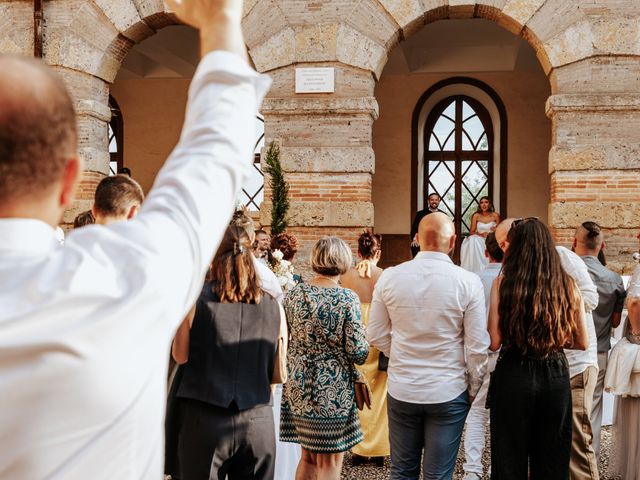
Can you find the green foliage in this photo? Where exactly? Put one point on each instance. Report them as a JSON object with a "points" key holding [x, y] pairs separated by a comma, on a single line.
{"points": [[279, 190]]}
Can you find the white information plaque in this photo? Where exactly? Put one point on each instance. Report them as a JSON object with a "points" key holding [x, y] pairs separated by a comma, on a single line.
{"points": [[315, 80]]}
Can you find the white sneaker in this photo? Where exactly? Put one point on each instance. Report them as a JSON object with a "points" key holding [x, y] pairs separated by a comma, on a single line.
{"points": [[472, 476]]}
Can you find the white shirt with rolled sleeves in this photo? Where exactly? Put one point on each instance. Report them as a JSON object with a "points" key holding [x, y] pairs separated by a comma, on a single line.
{"points": [[579, 360], [428, 315], [85, 328]]}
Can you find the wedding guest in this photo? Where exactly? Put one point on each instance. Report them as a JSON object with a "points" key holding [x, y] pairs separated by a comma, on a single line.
{"points": [[478, 413], [433, 204], [83, 218], [375, 427], [583, 372], [588, 243], [228, 346], [117, 198], [287, 454], [483, 221], [326, 339], [583, 364], [85, 328], [261, 245], [268, 280], [536, 310], [623, 380], [287, 243], [428, 316]]}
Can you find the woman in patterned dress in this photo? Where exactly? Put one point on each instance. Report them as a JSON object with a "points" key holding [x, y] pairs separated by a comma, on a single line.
{"points": [[326, 339]]}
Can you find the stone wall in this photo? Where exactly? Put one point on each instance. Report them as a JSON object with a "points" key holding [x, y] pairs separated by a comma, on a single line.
{"points": [[590, 50]]}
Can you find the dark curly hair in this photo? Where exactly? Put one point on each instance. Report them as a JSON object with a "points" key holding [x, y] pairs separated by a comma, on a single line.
{"points": [[287, 243], [369, 244]]}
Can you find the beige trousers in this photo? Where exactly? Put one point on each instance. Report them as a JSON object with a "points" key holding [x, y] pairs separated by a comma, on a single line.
{"points": [[583, 464]]}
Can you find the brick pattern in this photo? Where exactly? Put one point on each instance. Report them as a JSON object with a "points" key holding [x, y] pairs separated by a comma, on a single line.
{"points": [[334, 188], [594, 186]]}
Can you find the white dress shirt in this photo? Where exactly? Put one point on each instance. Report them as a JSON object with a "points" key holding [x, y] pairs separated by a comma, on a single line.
{"points": [[85, 328], [487, 275], [268, 281], [579, 360], [424, 314]]}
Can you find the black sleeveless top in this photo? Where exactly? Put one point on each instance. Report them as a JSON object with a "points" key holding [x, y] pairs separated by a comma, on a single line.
{"points": [[232, 349]]}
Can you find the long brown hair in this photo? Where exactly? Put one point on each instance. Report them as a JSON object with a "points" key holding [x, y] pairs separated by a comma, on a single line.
{"points": [[233, 270], [538, 311]]}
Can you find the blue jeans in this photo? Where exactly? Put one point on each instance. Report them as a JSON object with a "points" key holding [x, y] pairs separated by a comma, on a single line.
{"points": [[435, 428]]}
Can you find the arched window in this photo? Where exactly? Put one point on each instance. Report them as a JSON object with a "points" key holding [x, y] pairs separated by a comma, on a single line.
{"points": [[458, 157], [253, 189], [115, 138]]}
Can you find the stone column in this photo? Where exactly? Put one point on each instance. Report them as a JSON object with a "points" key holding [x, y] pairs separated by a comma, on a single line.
{"points": [[325, 145], [595, 161]]}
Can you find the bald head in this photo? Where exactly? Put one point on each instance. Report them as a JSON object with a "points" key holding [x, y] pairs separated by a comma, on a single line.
{"points": [[436, 233], [588, 239], [37, 129], [502, 233]]}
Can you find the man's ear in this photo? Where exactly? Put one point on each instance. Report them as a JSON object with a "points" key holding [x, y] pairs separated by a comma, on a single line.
{"points": [[70, 179], [573, 245], [604, 244], [486, 253], [133, 211], [452, 242]]}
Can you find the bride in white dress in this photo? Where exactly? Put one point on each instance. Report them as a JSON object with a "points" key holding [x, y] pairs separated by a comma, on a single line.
{"points": [[483, 222]]}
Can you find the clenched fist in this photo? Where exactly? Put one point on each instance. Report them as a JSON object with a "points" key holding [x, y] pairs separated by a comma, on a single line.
{"points": [[201, 14]]}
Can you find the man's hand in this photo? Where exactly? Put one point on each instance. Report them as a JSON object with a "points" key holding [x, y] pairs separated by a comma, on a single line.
{"points": [[201, 14], [219, 22]]}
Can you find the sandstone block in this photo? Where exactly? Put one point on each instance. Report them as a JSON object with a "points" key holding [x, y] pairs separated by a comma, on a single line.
{"points": [[354, 48], [278, 51], [370, 18], [16, 25], [319, 130], [612, 74], [521, 11], [571, 45], [349, 81], [324, 214], [606, 214], [408, 14], [328, 105], [595, 157], [616, 35], [316, 43], [263, 21], [328, 159]]}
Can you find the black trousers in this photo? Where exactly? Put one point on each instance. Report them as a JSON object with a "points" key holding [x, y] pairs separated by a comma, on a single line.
{"points": [[530, 401], [215, 443]]}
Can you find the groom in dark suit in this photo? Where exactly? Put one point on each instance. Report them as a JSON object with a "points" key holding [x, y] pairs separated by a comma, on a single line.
{"points": [[433, 202]]}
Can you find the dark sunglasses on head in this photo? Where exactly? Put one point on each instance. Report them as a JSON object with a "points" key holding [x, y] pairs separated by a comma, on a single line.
{"points": [[518, 221]]}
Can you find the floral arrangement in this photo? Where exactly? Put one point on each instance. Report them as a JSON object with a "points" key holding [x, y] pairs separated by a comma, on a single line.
{"points": [[283, 270]]}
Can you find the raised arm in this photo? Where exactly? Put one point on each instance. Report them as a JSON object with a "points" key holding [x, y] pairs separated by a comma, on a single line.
{"points": [[494, 317], [189, 206], [356, 345], [379, 327], [474, 224], [476, 338]]}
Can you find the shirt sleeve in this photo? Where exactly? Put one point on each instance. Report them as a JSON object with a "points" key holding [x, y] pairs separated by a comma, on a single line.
{"points": [[379, 326], [476, 337], [356, 345], [621, 295], [184, 216]]}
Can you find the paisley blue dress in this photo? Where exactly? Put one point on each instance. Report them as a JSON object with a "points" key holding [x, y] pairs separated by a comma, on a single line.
{"points": [[326, 338]]}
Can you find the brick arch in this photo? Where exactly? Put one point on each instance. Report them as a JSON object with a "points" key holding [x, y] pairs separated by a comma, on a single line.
{"points": [[279, 33]]}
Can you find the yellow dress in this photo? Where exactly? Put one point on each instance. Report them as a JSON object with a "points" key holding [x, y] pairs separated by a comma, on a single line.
{"points": [[374, 423]]}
